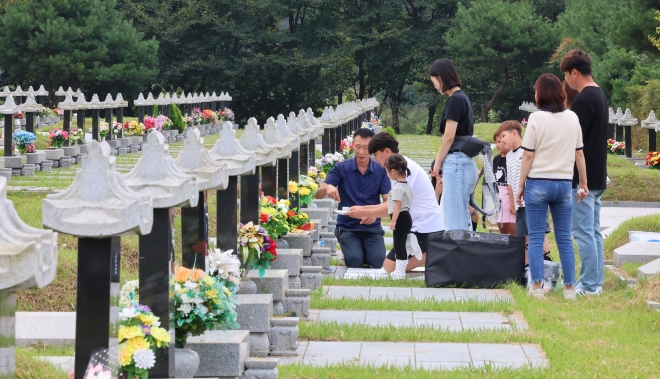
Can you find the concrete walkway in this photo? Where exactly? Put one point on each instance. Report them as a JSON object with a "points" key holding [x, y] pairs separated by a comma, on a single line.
{"points": [[419, 355], [398, 293], [448, 321]]}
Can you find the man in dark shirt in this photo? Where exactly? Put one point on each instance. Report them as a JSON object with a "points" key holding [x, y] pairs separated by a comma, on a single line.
{"points": [[358, 181], [591, 107]]}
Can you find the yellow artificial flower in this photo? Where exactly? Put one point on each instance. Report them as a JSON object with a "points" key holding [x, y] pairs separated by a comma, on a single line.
{"points": [[148, 318], [226, 291], [208, 280], [211, 293], [128, 332], [293, 187], [160, 335], [304, 191], [125, 354], [138, 343], [264, 201], [322, 175], [311, 174], [287, 202], [313, 186]]}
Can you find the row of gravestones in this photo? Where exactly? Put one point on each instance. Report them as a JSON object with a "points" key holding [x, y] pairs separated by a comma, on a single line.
{"points": [[27, 164], [101, 205]]}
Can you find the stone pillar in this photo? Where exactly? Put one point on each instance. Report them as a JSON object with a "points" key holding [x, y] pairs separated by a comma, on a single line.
{"points": [[284, 336], [227, 216], [282, 178], [8, 333], [108, 120], [294, 174], [304, 156], [269, 180], [250, 198], [310, 277], [338, 137], [194, 234]]}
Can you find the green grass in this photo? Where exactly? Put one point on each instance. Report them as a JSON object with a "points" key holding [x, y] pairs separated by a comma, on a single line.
{"points": [[333, 331], [631, 268], [29, 367], [619, 236]]}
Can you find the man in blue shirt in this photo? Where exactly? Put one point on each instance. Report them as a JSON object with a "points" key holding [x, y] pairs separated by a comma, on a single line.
{"points": [[358, 181]]}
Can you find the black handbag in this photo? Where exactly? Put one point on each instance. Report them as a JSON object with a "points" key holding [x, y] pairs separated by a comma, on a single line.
{"points": [[461, 258], [468, 145]]}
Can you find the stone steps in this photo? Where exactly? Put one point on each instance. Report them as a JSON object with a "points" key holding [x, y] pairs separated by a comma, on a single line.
{"points": [[420, 355], [399, 293], [447, 321]]}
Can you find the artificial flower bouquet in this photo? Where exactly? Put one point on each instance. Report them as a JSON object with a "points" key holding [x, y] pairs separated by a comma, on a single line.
{"points": [[116, 128], [616, 147], [139, 333], [328, 161], [346, 147], [523, 123], [225, 267], [76, 135], [58, 111], [57, 138], [199, 303], [298, 220], [165, 122], [196, 115], [225, 115], [273, 218], [19, 116], [24, 141], [188, 120], [152, 124], [208, 116], [134, 128], [104, 129], [653, 159], [317, 175], [306, 190], [257, 250]]}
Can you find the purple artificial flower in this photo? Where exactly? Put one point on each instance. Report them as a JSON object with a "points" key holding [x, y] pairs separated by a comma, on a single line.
{"points": [[146, 330], [143, 308]]}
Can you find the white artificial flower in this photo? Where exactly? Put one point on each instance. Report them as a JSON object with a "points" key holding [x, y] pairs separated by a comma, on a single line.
{"points": [[177, 287], [197, 300], [203, 309], [190, 285], [127, 313], [185, 308], [144, 358]]}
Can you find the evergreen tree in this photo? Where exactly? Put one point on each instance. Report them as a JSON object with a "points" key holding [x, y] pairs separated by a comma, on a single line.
{"points": [[177, 118], [502, 36], [79, 43]]}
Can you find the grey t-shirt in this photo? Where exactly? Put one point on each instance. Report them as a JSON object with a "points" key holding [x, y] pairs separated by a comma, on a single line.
{"points": [[400, 192]]}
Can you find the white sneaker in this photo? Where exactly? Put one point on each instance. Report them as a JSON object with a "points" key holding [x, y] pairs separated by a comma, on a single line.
{"points": [[399, 272], [570, 294], [582, 292], [537, 293]]}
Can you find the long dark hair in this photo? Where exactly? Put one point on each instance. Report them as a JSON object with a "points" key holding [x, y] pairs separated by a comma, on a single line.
{"points": [[446, 71], [397, 163]]}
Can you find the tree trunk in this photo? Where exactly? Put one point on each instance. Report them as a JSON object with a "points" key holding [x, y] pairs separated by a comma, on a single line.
{"points": [[340, 97], [361, 75], [429, 123], [395, 106], [485, 107]]}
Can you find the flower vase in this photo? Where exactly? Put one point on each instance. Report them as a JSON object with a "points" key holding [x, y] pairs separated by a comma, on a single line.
{"points": [[247, 287], [186, 363], [282, 244], [144, 137]]}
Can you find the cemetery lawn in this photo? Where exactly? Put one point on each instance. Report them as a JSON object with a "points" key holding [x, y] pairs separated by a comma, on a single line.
{"points": [[619, 237], [28, 367], [611, 336]]}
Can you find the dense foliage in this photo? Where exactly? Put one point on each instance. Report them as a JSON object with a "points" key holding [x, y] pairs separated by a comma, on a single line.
{"points": [[275, 56]]}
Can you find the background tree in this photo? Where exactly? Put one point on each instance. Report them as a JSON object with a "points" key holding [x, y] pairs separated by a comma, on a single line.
{"points": [[79, 43], [502, 36]]}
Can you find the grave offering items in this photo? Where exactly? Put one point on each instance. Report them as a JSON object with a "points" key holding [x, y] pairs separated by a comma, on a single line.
{"points": [[273, 217], [225, 267], [298, 221], [225, 114], [28, 259], [24, 141], [152, 123], [257, 250], [306, 190], [346, 147], [653, 160], [104, 129], [199, 303], [76, 136], [328, 161], [316, 175], [57, 138], [133, 128], [616, 147], [97, 206]]}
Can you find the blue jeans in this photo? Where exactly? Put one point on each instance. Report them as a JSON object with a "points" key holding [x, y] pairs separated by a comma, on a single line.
{"points": [[362, 246], [459, 175], [586, 231], [558, 195]]}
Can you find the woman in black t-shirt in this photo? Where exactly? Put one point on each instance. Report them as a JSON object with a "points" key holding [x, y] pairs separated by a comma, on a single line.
{"points": [[458, 169]]}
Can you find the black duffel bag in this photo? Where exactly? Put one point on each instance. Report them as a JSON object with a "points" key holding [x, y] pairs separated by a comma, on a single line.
{"points": [[461, 258]]}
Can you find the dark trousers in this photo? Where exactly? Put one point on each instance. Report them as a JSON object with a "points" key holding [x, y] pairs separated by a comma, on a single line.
{"points": [[401, 231], [362, 246]]}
